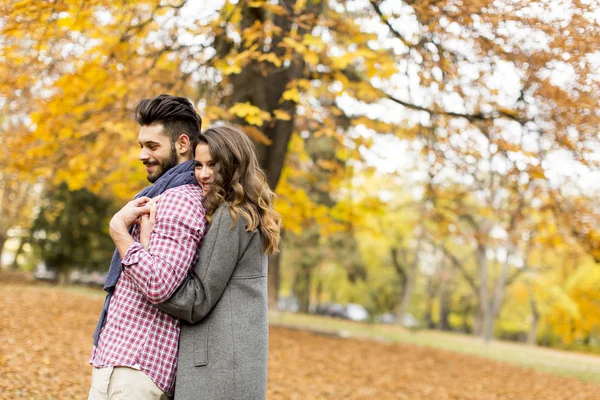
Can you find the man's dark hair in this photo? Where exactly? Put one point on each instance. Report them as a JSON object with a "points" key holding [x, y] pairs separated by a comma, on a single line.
{"points": [[176, 114]]}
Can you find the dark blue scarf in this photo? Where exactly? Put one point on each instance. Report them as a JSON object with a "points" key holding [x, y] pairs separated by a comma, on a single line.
{"points": [[181, 174]]}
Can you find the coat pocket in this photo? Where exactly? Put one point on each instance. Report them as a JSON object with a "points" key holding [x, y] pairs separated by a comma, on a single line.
{"points": [[201, 343]]}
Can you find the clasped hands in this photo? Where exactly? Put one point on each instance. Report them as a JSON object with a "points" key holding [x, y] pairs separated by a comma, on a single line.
{"points": [[140, 211]]}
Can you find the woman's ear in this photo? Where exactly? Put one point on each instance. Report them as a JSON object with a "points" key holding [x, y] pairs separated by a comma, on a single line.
{"points": [[183, 144]]}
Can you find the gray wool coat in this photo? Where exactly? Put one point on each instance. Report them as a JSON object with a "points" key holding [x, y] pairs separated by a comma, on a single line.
{"points": [[223, 307]]}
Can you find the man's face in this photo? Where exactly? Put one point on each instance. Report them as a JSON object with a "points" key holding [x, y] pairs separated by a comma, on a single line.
{"points": [[158, 153]]}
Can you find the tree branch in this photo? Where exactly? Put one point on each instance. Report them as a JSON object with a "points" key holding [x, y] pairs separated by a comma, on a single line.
{"points": [[460, 266]]}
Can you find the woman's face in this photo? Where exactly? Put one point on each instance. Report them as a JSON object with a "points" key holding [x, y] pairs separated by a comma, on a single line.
{"points": [[203, 167]]}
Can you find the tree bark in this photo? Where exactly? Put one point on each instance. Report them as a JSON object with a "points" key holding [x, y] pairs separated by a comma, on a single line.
{"points": [[3, 239], [407, 293], [498, 299], [535, 317], [430, 292], [445, 297], [274, 280], [406, 274], [487, 330], [444, 275], [319, 294], [477, 328], [302, 284], [484, 303], [15, 264]]}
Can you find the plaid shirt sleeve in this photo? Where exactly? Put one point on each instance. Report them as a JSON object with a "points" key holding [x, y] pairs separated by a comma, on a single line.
{"points": [[176, 235]]}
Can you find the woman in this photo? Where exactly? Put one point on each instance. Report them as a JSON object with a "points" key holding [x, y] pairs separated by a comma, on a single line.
{"points": [[223, 303]]}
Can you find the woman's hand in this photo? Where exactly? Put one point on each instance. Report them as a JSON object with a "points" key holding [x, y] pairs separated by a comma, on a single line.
{"points": [[129, 214], [147, 222], [121, 221]]}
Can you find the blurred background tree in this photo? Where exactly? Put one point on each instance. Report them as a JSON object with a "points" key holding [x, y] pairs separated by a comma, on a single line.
{"points": [[71, 231]]}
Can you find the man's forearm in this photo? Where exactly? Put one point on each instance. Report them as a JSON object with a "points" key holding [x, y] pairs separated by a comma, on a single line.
{"points": [[120, 235]]}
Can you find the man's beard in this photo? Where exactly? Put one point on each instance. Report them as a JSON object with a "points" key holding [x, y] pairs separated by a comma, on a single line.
{"points": [[164, 165]]}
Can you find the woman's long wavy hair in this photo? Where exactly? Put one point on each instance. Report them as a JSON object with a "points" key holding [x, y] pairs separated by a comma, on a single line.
{"points": [[239, 180]]}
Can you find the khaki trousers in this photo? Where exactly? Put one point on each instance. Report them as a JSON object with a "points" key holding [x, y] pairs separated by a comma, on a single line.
{"points": [[122, 383]]}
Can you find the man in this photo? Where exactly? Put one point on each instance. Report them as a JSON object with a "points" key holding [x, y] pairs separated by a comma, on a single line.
{"points": [[135, 344]]}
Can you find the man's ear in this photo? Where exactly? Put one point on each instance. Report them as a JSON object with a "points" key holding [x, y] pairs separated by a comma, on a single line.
{"points": [[183, 144]]}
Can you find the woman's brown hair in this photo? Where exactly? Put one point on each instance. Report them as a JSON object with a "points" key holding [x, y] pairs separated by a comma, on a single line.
{"points": [[239, 180]]}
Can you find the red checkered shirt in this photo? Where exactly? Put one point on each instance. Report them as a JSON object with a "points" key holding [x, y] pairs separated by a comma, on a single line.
{"points": [[136, 334]]}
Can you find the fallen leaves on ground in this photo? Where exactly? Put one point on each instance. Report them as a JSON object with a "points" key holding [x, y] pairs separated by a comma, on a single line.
{"points": [[46, 341]]}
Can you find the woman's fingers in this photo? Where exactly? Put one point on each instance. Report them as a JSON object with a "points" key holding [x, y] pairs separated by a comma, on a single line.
{"points": [[140, 201], [152, 217], [155, 200], [145, 201]]}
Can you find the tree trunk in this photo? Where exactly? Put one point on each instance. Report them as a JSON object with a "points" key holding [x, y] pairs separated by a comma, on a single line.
{"points": [[496, 305], [535, 318], [15, 264], [430, 292], [487, 330], [406, 293], [274, 280], [63, 277], [319, 294], [484, 303], [62, 274], [302, 283], [533, 328], [407, 275], [477, 328], [445, 298], [3, 239]]}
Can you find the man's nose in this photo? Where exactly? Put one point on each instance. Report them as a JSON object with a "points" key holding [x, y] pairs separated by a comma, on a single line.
{"points": [[144, 154]]}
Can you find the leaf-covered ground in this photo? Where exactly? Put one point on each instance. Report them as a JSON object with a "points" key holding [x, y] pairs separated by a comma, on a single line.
{"points": [[45, 339]]}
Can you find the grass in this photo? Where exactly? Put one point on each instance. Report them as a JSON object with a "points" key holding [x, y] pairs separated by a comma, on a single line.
{"points": [[585, 367]]}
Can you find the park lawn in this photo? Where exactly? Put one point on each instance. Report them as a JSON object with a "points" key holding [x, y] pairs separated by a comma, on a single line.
{"points": [[586, 367], [46, 343]]}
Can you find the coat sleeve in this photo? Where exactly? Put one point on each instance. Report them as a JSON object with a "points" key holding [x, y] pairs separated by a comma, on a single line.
{"points": [[219, 255]]}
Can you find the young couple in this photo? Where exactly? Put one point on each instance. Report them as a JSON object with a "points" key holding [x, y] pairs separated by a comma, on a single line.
{"points": [[186, 311]]}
